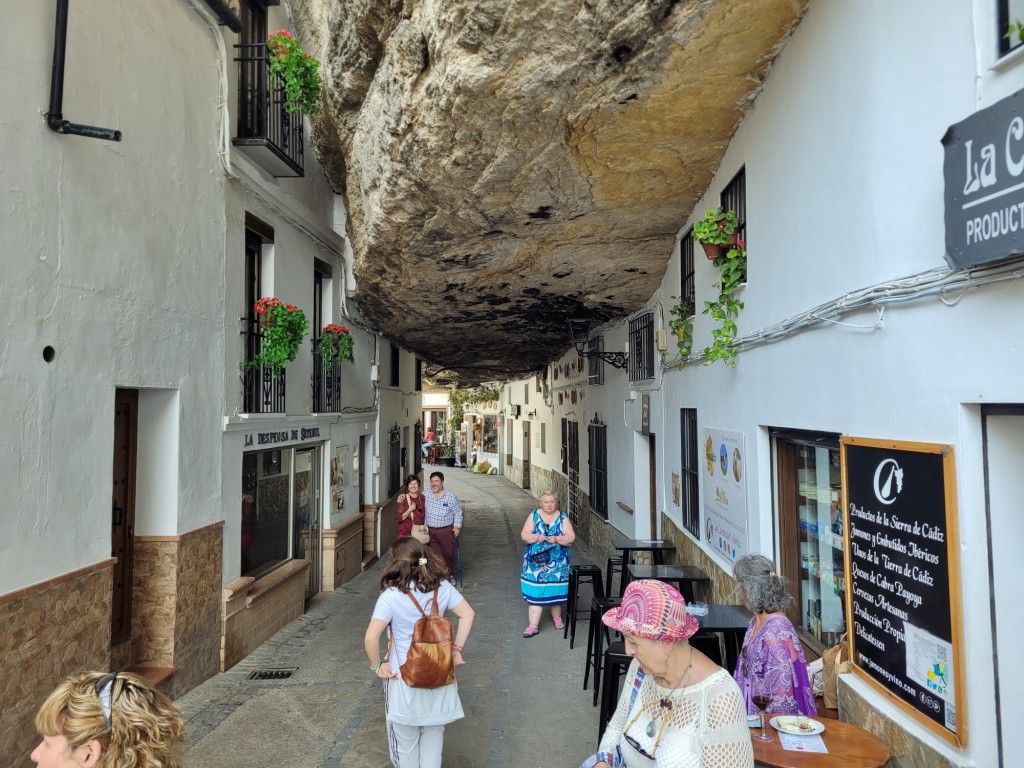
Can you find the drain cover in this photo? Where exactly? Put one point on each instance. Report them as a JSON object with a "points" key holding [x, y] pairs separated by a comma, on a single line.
{"points": [[272, 674]]}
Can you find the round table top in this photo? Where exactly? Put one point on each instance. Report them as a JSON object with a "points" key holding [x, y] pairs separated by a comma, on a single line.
{"points": [[848, 746]]}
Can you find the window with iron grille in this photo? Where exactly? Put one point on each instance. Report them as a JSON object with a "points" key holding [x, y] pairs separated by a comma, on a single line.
{"points": [[261, 392], [565, 446], [595, 365], [393, 368], [598, 434], [326, 381], [1009, 12], [734, 198], [394, 460], [688, 283], [690, 474], [641, 347]]}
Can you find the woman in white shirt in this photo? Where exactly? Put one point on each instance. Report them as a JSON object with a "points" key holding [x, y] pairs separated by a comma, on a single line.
{"points": [[678, 708], [416, 717]]}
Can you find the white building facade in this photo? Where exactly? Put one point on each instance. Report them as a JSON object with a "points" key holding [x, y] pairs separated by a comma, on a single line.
{"points": [[131, 271], [853, 327]]}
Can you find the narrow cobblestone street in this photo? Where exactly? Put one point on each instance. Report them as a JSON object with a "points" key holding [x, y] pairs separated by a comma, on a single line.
{"points": [[524, 701]]}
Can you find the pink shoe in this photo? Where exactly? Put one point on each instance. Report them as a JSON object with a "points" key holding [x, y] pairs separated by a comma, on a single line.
{"points": [[559, 624], [530, 631]]}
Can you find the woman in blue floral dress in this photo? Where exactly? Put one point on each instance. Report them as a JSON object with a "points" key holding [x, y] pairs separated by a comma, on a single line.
{"points": [[545, 579]]}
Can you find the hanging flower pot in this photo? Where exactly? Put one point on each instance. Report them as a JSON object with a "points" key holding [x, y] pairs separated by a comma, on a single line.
{"points": [[282, 328], [716, 232], [335, 343]]}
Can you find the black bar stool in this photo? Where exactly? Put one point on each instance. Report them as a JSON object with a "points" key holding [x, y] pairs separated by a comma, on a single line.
{"points": [[595, 640], [613, 566], [577, 575], [616, 662]]}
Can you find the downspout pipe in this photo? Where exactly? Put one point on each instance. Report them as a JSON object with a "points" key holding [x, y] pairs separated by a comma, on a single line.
{"points": [[55, 118]]}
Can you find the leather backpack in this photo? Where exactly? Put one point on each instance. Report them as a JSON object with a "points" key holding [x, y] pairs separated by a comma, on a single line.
{"points": [[429, 663]]}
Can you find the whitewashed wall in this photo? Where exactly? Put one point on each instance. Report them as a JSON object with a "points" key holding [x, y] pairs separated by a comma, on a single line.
{"points": [[845, 191], [111, 254]]}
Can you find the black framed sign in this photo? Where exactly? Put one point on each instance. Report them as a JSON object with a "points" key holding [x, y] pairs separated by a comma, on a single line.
{"points": [[903, 585]]}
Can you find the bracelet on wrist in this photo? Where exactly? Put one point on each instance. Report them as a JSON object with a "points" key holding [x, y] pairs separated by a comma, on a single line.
{"points": [[457, 648], [376, 668]]}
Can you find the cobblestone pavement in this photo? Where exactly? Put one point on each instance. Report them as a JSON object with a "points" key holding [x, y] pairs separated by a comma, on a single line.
{"points": [[524, 701]]}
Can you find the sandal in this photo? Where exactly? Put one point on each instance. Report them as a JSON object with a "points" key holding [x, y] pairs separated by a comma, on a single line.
{"points": [[559, 624], [531, 631]]}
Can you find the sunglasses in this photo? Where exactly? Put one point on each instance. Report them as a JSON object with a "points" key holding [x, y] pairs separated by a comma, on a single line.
{"points": [[104, 690], [636, 745]]}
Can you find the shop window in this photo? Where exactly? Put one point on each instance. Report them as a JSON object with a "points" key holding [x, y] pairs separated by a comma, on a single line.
{"points": [[267, 522], [811, 535], [598, 434], [490, 441]]}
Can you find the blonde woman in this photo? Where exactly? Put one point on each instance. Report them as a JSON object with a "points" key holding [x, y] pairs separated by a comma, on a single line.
{"points": [[96, 720]]}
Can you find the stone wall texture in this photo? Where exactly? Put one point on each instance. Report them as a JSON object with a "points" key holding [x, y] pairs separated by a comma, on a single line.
{"points": [[197, 628], [49, 631]]}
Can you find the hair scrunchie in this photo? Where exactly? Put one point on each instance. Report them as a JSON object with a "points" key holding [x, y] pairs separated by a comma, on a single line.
{"points": [[422, 561]]}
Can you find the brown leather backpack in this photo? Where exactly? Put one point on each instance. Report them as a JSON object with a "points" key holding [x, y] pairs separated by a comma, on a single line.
{"points": [[429, 663]]}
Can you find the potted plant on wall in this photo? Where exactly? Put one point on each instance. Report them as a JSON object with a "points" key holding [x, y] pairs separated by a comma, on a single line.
{"points": [[732, 274], [716, 232], [681, 326], [282, 328], [335, 343], [296, 71]]}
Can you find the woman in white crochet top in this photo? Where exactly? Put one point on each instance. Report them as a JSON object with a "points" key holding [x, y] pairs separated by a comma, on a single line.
{"points": [[678, 708]]}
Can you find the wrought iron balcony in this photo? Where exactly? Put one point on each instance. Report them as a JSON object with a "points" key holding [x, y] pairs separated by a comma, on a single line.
{"points": [[261, 392], [267, 133], [326, 385]]}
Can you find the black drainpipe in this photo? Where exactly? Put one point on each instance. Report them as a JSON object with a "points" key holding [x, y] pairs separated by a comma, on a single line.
{"points": [[54, 118]]}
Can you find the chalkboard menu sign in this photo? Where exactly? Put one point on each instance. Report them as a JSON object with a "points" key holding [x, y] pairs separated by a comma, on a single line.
{"points": [[903, 585]]}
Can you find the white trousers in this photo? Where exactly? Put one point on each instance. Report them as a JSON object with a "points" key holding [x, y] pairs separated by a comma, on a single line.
{"points": [[415, 746]]}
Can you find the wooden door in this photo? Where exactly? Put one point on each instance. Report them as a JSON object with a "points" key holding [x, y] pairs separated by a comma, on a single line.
{"points": [[126, 410], [526, 455]]}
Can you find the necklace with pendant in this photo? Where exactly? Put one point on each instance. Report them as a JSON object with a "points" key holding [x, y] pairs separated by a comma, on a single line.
{"points": [[665, 707]]}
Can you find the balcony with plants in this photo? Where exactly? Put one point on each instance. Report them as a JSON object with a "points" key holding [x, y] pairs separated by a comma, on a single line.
{"points": [[278, 83]]}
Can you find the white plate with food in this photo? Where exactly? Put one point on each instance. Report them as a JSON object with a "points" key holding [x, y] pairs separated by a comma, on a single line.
{"points": [[791, 724]]}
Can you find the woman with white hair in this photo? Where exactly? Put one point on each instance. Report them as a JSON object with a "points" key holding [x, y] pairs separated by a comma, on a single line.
{"points": [[771, 664]]}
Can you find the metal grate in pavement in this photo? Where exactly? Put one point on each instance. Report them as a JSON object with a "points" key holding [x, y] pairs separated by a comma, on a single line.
{"points": [[272, 674]]}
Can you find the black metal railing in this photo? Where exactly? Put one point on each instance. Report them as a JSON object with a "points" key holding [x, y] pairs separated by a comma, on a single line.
{"points": [[261, 107], [641, 347], [326, 384], [261, 392]]}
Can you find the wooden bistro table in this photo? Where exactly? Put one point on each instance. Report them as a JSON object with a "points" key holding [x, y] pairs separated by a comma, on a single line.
{"points": [[848, 745], [627, 547]]}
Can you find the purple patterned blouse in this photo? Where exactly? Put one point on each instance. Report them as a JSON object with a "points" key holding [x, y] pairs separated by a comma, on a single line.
{"points": [[772, 662]]}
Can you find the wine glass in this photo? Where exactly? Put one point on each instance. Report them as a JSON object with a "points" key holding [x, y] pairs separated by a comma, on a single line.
{"points": [[762, 700]]}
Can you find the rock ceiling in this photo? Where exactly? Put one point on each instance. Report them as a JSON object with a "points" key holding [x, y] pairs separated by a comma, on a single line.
{"points": [[506, 165]]}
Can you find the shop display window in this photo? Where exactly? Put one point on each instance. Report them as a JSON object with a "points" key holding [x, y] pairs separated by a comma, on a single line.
{"points": [[811, 536]]}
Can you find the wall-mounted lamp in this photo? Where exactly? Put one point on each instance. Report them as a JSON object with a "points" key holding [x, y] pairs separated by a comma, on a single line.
{"points": [[579, 329], [532, 413]]}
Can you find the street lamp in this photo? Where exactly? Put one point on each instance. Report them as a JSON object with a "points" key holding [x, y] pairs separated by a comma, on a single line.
{"points": [[579, 330]]}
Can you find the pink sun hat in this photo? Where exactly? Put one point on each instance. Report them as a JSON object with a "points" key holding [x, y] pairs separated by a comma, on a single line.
{"points": [[652, 609]]}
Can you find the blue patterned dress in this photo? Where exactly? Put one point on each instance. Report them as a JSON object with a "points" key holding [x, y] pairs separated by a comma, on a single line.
{"points": [[546, 582]]}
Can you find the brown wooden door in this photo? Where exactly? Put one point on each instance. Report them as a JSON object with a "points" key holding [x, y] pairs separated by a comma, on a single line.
{"points": [[126, 409], [526, 455]]}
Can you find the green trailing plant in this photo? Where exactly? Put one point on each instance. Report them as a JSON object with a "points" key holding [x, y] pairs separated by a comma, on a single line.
{"points": [[335, 343], [296, 71], [718, 227], [458, 399], [681, 326], [732, 273], [282, 328]]}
